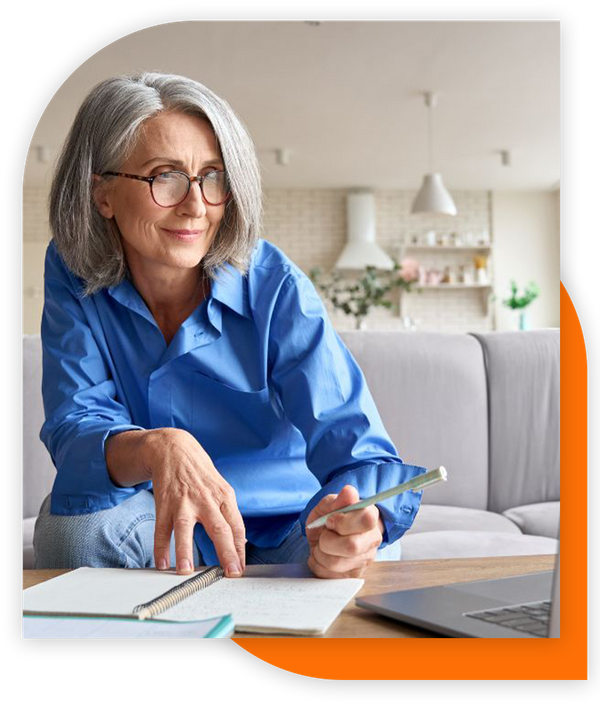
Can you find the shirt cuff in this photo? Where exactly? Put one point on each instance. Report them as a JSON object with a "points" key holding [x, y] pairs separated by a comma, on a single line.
{"points": [[83, 484], [397, 513]]}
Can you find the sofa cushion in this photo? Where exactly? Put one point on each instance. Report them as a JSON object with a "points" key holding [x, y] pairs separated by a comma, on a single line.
{"points": [[473, 544], [433, 517], [541, 519], [28, 527], [38, 470], [523, 371], [430, 389]]}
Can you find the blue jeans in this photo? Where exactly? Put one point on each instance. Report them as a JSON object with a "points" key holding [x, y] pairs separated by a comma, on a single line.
{"points": [[123, 537]]}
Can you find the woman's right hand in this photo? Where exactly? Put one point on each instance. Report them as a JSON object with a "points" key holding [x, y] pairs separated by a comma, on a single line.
{"points": [[188, 490]]}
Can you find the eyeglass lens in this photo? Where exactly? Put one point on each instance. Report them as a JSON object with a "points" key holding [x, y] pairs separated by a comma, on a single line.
{"points": [[172, 187]]}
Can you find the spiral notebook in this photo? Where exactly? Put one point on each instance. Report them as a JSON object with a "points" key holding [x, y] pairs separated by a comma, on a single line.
{"points": [[283, 605]]}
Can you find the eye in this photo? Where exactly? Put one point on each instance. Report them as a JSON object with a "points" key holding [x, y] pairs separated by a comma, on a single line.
{"points": [[166, 176]]}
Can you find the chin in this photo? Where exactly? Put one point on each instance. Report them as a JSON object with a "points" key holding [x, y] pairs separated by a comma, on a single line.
{"points": [[186, 262]]}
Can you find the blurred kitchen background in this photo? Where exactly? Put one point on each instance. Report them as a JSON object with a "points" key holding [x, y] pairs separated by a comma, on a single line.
{"points": [[348, 118]]}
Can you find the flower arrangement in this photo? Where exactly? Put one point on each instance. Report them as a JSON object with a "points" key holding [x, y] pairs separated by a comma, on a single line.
{"points": [[356, 297], [520, 303]]}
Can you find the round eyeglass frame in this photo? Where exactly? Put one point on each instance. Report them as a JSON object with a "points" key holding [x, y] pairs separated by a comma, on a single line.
{"points": [[150, 180]]}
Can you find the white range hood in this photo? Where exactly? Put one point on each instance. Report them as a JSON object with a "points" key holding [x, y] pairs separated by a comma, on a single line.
{"points": [[361, 249]]}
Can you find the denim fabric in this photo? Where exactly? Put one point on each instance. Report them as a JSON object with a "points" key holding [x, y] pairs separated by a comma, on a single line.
{"points": [[123, 537]]}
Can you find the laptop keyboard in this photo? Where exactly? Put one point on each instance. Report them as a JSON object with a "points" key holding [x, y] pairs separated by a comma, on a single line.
{"points": [[533, 617]]}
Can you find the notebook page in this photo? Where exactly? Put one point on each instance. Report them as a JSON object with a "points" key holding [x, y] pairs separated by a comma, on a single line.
{"points": [[111, 591], [304, 605]]}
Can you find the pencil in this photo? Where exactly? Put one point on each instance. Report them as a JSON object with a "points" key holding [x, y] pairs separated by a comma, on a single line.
{"points": [[417, 483]]}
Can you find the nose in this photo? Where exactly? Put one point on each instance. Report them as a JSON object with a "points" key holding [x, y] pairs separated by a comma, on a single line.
{"points": [[193, 204]]}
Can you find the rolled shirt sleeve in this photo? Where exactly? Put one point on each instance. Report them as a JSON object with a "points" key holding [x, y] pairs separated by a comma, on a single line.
{"points": [[80, 400], [325, 395]]}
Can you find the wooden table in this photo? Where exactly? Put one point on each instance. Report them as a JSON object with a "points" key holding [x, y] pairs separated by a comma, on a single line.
{"points": [[385, 576]]}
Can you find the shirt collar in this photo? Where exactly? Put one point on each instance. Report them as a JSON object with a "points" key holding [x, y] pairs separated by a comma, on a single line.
{"points": [[230, 288], [125, 293]]}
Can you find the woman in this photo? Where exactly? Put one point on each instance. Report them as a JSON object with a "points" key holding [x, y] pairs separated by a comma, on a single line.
{"points": [[199, 406]]}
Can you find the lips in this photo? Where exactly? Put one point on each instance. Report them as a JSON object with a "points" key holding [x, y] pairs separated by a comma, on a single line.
{"points": [[184, 235]]}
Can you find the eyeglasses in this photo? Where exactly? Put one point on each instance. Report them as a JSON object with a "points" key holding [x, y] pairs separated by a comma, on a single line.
{"points": [[172, 187]]}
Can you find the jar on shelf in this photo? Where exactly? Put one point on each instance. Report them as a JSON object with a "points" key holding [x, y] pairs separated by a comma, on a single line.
{"points": [[434, 276], [484, 238], [468, 275]]}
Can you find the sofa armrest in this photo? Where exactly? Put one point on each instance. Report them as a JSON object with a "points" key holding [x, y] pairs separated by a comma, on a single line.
{"points": [[523, 380]]}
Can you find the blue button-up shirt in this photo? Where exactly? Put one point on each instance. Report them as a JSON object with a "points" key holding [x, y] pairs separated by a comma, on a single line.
{"points": [[256, 373]]}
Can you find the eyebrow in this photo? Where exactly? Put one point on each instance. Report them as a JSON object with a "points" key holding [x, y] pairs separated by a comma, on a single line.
{"points": [[179, 163]]}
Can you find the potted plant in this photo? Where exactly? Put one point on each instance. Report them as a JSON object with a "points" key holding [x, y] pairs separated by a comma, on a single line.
{"points": [[520, 302], [356, 297]]}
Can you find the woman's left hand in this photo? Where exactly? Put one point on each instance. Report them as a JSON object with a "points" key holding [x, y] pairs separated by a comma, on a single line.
{"points": [[348, 543]]}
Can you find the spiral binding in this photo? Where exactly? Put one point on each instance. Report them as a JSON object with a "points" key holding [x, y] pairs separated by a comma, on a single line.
{"points": [[179, 593]]}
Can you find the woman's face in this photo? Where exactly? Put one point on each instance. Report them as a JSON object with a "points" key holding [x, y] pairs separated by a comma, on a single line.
{"points": [[164, 241]]}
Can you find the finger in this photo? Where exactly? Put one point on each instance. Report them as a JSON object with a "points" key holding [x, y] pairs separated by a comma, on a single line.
{"points": [[357, 522], [162, 542], [347, 495], [221, 535], [184, 542], [340, 564], [230, 511], [323, 571], [324, 506], [347, 546]]}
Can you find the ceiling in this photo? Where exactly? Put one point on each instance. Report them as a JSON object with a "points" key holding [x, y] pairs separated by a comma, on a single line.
{"points": [[345, 98]]}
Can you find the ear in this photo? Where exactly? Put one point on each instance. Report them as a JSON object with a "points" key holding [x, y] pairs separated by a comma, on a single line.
{"points": [[101, 196]]}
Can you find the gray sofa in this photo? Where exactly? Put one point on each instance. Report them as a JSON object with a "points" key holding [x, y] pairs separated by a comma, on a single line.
{"points": [[486, 406]]}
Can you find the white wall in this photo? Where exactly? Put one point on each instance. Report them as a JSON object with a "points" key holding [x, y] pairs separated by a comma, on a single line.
{"points": [[526, 229], [34, 254], [36, 235]]}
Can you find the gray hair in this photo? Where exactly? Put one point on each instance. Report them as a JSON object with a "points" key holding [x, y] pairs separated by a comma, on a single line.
{"points": [[104, 133]]}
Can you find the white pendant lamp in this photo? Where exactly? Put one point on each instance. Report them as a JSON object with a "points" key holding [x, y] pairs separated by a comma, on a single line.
{"points": [[433, 197]]}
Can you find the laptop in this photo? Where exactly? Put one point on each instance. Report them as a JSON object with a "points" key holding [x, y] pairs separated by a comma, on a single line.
{"points": [[520, 607]]}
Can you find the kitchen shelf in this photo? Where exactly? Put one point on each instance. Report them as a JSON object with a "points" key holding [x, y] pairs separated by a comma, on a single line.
{"points": [[449, 248], [485, 289], [452, 286], [467, 251]]}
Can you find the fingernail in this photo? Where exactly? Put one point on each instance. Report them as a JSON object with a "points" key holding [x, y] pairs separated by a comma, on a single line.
{"points": [[185, 565], [233, 569], [162, 564]]}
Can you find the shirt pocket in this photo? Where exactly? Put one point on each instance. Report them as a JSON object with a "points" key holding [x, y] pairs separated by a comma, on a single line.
{"points": [[229, 421]]}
